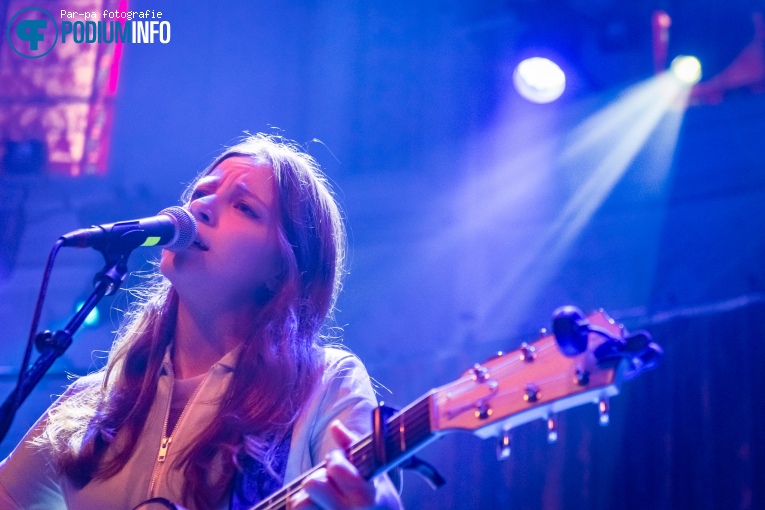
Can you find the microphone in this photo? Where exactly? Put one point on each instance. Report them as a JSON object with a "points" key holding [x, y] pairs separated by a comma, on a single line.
{"points": [[174, 228]]}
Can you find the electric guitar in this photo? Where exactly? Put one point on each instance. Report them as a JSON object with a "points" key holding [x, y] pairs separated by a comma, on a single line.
{"points": [[583, 361]]}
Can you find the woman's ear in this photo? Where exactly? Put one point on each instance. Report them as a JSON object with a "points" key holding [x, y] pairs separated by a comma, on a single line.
{"points": [[268, 290], [264, 294], [272, 284]]}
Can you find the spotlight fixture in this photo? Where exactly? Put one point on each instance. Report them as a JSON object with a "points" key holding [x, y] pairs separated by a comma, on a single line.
{"points": [[687, 69], [539, 80]]}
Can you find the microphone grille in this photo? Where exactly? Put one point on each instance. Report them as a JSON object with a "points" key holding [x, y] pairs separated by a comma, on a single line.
{"points": [[187, 227]]}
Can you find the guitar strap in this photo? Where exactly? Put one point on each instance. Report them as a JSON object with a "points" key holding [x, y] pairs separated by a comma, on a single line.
{"points": [[254, 482]]}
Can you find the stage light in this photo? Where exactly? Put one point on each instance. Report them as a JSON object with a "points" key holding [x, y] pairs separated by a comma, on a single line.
{"points": [[539, 80], [686, 69], [596, 154], [662, 19]]}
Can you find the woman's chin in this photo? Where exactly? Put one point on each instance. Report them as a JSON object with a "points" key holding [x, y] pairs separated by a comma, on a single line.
{"points": [[166, 264], [170, 266]]}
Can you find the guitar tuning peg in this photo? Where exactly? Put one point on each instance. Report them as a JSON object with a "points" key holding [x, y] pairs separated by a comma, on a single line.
{"points": [[543, 333], [528, 352], [480, 373], [552, 430], [581, 377], [503, 446], [604, 409]]}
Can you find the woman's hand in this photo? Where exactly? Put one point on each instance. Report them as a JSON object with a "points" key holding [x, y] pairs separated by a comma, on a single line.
{"points": [[339, 486]]}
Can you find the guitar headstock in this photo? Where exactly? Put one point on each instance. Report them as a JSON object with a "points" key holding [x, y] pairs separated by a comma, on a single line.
{"points": [[538, 380]]}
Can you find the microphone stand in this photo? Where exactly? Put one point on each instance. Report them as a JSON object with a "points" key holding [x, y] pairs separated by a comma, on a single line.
{"points": [[52, 345]]}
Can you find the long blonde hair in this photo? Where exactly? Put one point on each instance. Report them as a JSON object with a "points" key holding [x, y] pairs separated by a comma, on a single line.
{"points": [[257, 410]]}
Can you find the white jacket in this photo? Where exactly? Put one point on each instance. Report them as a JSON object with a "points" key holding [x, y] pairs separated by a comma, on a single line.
{"points": [[344, 392]]}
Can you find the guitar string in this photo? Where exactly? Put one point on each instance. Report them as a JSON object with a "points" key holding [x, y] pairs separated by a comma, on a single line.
{"points": [[542, 381], [294, 487], [417, 422], [501, 369], [498, 369], [281, 497], [413, 418], [286, 492], [414, 422], [358, 447]]}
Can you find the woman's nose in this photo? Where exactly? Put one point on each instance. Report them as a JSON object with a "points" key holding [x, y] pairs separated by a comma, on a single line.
{"points": [[203, 210]]}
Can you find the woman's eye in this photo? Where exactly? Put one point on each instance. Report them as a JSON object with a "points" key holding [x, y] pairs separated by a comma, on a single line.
{"points": [[246, 209], [198, 193]]}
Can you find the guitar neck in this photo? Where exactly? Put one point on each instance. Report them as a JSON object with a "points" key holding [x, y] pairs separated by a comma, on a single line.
{"points": [[509, 389], [406, 432]]}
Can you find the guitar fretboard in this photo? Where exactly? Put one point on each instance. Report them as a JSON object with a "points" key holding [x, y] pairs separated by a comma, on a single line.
{"points": [[407, 431]]}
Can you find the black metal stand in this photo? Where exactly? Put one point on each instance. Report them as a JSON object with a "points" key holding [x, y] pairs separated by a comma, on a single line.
{"points": [[53, 345]]}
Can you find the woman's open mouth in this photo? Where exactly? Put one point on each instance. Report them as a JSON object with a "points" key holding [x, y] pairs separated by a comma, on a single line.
{"points": [[200, 245]]}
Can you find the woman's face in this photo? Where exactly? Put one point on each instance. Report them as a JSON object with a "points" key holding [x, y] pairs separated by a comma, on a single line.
{"points": [[237, 251]]}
